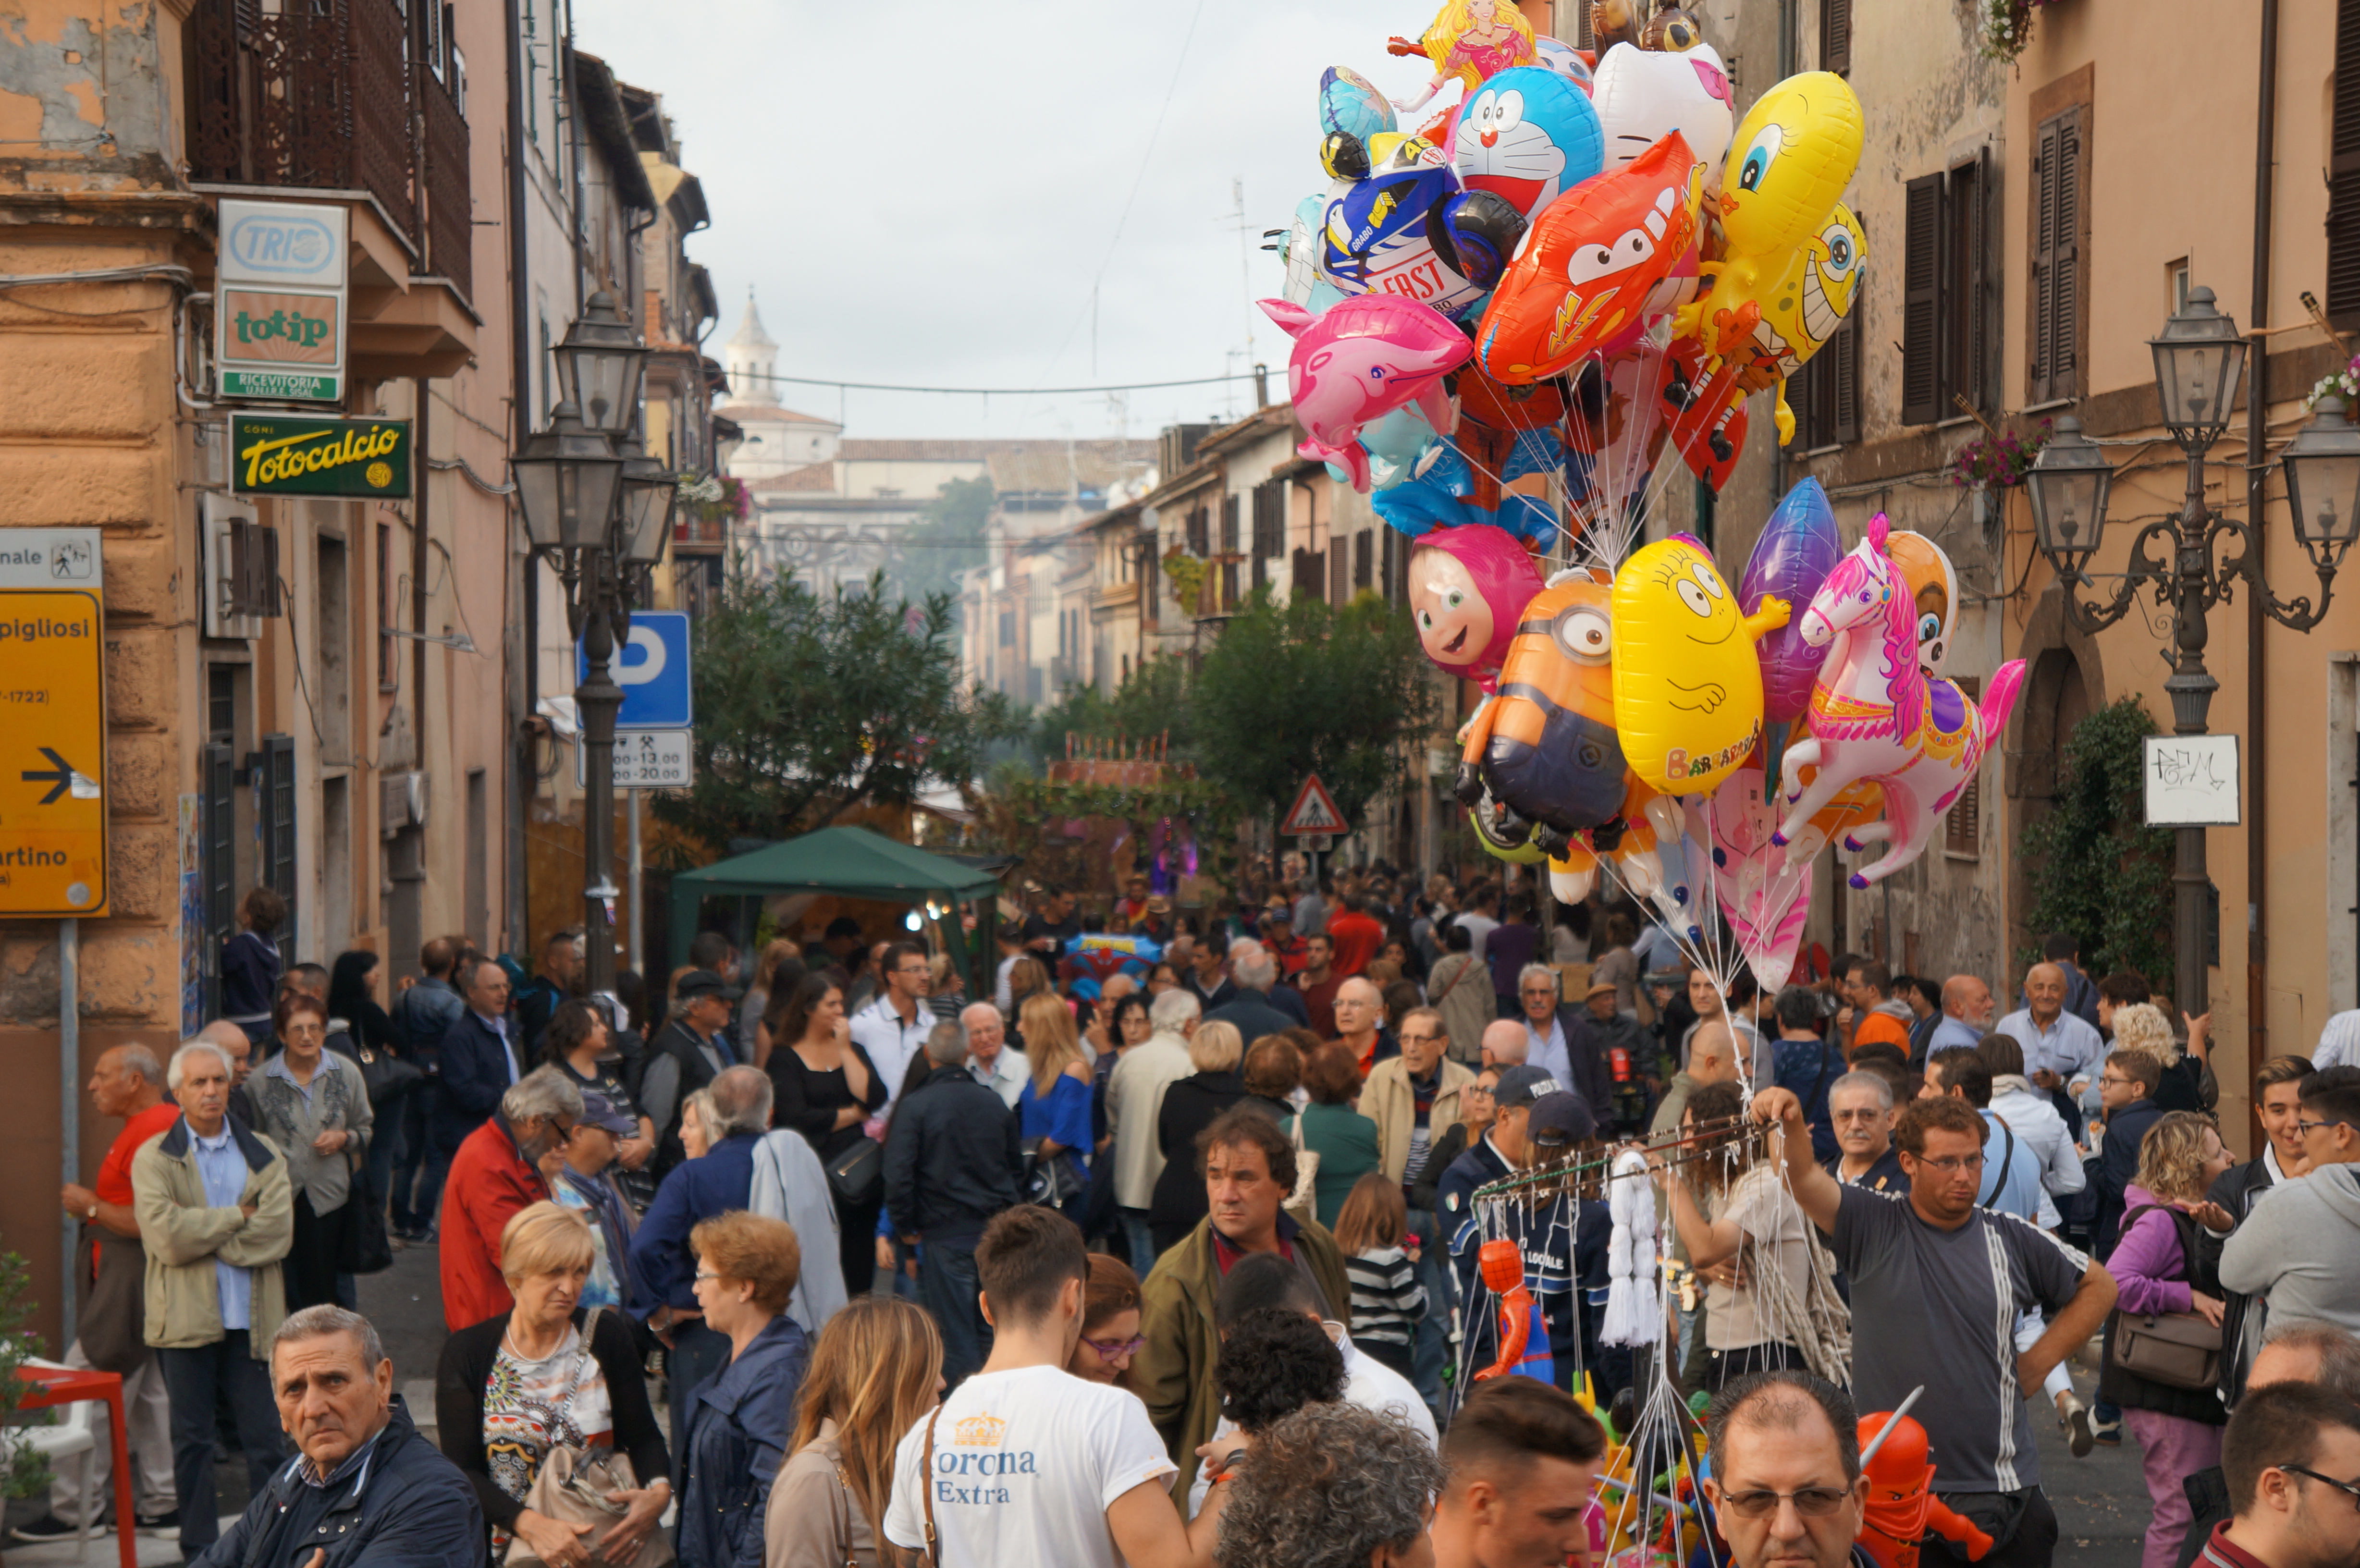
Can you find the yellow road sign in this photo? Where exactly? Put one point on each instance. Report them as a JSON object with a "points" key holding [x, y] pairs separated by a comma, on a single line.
{"points": [[53, 751]]}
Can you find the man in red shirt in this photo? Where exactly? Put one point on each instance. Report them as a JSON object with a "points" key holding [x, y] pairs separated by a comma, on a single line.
{"points": [[502, 1168], [1317, 984], [128, 1085], [1355, 936]]}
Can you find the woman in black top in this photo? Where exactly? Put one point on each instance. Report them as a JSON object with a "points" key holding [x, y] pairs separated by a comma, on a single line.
{"points": [[352, 997], [825, 1087], [1190, 1105], [578, 1044]]}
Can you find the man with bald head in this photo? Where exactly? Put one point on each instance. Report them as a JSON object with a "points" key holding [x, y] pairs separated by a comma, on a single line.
{"points": [[2061, 1050], [1712, 1058], [240, 1051], [1361, 1022], [988, 1061], [1966, 1016], [126, 1086], [1506, 1042]]}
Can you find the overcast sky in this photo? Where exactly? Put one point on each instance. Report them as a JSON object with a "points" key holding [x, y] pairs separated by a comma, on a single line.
{"points": [[926, 192]]}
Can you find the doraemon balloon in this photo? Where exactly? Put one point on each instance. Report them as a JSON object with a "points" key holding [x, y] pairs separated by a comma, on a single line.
{"points": [[1641, 96], [1526, 136]]}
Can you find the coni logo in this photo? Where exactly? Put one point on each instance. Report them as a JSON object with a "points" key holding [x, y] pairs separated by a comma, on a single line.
{"points": [[295, 247]]}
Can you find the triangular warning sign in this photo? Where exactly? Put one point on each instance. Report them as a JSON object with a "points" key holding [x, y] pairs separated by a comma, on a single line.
{"points": [[1314, 811]]}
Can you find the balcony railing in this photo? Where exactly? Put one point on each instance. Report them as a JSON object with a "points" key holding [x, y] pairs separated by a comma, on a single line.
{"points": [[325, 95]]}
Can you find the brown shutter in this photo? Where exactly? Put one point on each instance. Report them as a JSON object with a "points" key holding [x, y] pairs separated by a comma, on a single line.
{"points": [[1198, 545], [1835, 35], [1843, 381], [1583, 37], [2344, 172], [2057, 258], [1361, 562], [1231, 543], [1921, 301], [1963, 824], [1961, 305]]}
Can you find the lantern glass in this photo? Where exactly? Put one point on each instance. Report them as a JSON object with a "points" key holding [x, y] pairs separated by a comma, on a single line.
{"points": [[2322, 478], [2068, 485], [599, 365], [2198, 361], [649, 492], [566, 479]]}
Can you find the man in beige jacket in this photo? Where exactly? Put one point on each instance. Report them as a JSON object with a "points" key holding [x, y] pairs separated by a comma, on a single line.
{"points": [[1413, 1099], [216, 1215], [1134, 1100]]}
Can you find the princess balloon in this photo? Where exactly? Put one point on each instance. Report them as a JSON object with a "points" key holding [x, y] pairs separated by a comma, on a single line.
{"points": [[1470, 42]]}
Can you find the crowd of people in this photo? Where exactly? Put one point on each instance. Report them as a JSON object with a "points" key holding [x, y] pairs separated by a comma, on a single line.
{"points": [[1190, 1250]]}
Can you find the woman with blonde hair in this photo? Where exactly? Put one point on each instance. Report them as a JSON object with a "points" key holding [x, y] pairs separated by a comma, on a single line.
{"points": [[2187, 1084], [1054, 1106], [1190, 1105], [875, 1372], [2162, 1264]]}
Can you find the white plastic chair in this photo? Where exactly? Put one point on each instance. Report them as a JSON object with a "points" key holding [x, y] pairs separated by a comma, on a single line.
{"points": [[75, 1437]]}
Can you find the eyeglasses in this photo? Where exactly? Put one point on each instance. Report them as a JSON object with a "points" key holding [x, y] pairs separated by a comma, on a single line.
{"points": [[1955, 1164], [1811, 1502], [2349, 1488], [2302, 1127], [1116, 1349], [705, 1274], [2116, 1079], [1419, 1038]]}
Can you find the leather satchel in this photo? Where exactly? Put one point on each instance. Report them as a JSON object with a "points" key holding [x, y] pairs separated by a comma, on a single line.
{"points": [[857, 1173], [2179, 1350], [113, 1323], [1304, 1202]]}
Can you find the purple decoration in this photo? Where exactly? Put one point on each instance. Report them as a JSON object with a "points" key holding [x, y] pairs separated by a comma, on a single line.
{"points": [[1799, 547]]}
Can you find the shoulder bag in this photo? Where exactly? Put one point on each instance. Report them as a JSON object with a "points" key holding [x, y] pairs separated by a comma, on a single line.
{"points": [[855, 1174], [363, 1247], [1050, 1182], [1304, 1202], [575, 1479], [114, 1319], [2179, 1350], [385, 1076], [844, 1492], [2005, 1159], [927, 1490]]}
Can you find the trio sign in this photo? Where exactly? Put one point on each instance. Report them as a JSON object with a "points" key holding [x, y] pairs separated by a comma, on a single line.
{"points": [[282, 301], [52, 723]]}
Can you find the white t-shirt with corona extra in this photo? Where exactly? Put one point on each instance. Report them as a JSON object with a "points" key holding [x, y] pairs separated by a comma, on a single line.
{"points": [[1026, 1464]]}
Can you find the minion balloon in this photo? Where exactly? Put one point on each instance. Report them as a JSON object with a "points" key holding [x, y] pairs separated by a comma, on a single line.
{"points": [[1688, 682]]}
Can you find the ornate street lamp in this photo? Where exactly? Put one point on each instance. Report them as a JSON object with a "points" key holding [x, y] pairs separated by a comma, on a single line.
{"points": [[599, 365], [565, 480], [2199, 360], [650, 493]]}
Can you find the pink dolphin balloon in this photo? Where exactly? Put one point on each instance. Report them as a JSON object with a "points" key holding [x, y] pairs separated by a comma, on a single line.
{"points": [[1361, 360]]}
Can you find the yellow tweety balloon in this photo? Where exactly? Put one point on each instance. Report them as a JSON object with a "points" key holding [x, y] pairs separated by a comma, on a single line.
{"points": [[1688, 682], [1789, 160]]}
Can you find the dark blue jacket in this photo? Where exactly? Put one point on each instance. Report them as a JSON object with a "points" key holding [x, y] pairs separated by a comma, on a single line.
{"points": [[475, 1071], [1564, 1247], [2118, 1163], [737, 1441], [422, 1016], [405, 1505], [1808, 1070], [663, 1268], [953, 1157]]}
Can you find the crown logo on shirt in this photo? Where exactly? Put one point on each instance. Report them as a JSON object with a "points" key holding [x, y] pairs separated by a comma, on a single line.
{"points": [[979, 1431]]}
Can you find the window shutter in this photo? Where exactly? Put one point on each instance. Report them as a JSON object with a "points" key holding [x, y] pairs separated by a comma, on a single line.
{"points": [[1584, 36], [1963, 824], [1921, 280], [2343, 171], [1970, 216], [1360, 561], [1835, 35], [276, 806], [219, 825], [1392, 563], [1843, 381], [1198, 545], [1231, 543], [1269, 518], [1340, 567], [2057, 258]]}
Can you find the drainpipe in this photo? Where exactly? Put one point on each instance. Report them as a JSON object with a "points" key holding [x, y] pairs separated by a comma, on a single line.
{"points": [[520, 769], [2258, 473], [418, 566]]}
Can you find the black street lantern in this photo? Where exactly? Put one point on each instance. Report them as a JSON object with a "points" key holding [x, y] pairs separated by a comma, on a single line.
{"points": [[565, 480], [2198, 361], [598, 366], [649, 492], [2067, 487], [2322, 481]]}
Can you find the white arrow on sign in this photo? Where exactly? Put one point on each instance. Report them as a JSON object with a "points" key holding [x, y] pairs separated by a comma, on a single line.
{"points": [[650, 663]]}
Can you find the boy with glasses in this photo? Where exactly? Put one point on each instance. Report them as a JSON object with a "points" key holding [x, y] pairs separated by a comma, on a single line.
{"points": [[2302, 1242], [2126, 1086]]}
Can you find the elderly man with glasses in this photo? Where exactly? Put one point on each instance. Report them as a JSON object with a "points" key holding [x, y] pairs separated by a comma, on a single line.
{"points": [[1556, 1040], [1786, 1485]]}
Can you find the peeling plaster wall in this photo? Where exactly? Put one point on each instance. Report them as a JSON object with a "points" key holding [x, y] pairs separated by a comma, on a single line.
{"points": [[86, 98]]}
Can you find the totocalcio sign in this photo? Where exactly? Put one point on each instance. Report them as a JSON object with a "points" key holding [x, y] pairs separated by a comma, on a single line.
{"points": [[280, 455]]}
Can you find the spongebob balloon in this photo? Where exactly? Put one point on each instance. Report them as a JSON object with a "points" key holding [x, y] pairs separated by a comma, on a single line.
{"points": [[1688, 682]]}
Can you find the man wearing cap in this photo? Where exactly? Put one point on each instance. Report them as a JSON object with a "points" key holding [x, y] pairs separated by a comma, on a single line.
{"points": [[1612, 1047], [586, 1181], [692, 1049], [1538, 1122], [892, 1030]]}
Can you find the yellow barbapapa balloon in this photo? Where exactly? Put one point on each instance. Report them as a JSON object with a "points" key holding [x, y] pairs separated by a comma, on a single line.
{"points": [[1688, 682]]}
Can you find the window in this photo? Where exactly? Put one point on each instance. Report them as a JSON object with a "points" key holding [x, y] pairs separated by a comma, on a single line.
{"points": [[276, 802], [1944, 311], [1835, 35], [388, 668], [1269, 527], [1825, 394], [1231, 544], [2060, 281], [1008, 628], [1310, 573], [1200, 521], [2175, 286], [1962, 826], [2344, 173], [1362, 563]]}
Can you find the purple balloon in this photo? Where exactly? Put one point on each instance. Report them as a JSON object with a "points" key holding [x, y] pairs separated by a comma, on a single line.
{"points": [[1799, 547]]}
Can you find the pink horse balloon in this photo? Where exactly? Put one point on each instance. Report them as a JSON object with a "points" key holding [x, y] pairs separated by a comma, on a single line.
{"points": [[1876, 715]]}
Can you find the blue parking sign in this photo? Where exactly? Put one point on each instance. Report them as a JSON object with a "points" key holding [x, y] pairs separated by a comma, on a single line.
{"points": [[652, 671]]}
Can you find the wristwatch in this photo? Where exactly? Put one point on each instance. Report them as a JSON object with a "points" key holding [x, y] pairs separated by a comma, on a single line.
{"points": [[93, 1215]]}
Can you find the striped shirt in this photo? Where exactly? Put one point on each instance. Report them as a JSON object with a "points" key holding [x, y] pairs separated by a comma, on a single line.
{"points": [[1387, 1300]]}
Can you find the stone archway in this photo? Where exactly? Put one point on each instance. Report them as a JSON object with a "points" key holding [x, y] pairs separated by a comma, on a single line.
{"points": [[2066, 683]]}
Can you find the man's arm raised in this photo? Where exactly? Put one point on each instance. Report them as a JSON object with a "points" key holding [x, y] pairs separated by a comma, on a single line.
{"points": [[1817, 1193]]}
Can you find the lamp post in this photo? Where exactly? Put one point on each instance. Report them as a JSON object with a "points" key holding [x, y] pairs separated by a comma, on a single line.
{"points": [[2199, 360], [601, 508]]}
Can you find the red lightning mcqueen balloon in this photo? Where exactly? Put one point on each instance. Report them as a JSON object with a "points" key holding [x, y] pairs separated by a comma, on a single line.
{"points": [[1589, 264]]}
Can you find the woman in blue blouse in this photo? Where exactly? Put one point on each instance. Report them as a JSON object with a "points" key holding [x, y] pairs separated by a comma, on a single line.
{"points": [[1055, 1105]]}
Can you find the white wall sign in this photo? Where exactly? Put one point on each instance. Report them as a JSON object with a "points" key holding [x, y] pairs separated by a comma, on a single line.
{"points": [[281, 303], [644, 759], [2191, 780]]}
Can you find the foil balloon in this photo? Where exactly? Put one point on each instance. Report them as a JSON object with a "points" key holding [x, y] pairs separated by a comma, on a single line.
{"points": [[1468, 590], [1687, 684], [1933, 589], [1305, 286], [1349, 105], [1441, 491], [1360, 361], [1874, 715], [1790, 158], [1805, 302], [1399, 224], [1708, 429], [1766, 895], [1471, 40], [1545, 747], [1526, 136], [1642, 97], [1564, 60], [1394, 444], [1799, 547], [1589, 266]]}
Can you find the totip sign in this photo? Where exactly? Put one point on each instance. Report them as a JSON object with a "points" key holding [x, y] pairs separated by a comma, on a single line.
{"points": [[281, 301]]}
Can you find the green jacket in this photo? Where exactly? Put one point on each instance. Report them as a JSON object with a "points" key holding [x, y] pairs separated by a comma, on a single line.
{"points": [[1174, 1370], [183, 1237]]}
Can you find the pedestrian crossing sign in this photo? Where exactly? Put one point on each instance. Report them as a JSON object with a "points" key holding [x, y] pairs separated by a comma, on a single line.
{"points": [[1314, 811]]}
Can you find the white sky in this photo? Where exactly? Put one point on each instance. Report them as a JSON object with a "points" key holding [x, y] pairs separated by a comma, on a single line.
{"points": [[923, 193]]}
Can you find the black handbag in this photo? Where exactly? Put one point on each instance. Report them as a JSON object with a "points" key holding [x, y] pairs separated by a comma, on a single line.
{"points": [[385, 1076], [855, 1173], [1053, 1183], [114, 1318], [363, 1247]]}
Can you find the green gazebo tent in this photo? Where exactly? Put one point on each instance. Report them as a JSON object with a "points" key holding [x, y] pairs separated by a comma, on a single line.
{"points": [[850, 861]]}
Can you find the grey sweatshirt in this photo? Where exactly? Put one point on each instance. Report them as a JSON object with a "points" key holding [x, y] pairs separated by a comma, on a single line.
{"points": [[2302, 1246]]}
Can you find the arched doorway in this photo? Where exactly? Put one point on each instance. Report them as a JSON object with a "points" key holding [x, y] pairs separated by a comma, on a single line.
{"points": [[2065, 685]]}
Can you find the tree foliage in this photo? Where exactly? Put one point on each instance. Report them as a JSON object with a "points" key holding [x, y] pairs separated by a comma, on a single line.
{"points": [[1307, 688], [1151, 704], [946, 539], [23, 1470], [2097, 871], [808, 704]]}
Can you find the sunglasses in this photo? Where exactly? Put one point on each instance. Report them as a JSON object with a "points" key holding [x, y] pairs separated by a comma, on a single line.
{"points": [[1811, 1502], [1116, 1349]]}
